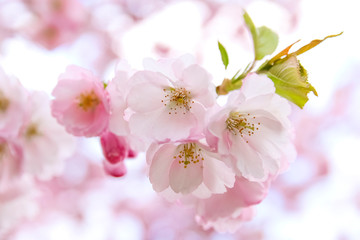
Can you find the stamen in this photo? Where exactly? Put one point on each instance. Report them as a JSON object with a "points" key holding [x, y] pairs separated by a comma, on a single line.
{"points": [[88, 101], [4, 102], [189, 153], [177, 100], [237, 123]]}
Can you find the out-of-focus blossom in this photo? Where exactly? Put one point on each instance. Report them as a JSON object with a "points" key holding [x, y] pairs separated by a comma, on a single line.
{"points": [[169, 100], [55, 21], [226, 212], [81, 104], [51, 33], [64, 10], [45, 143], [189, 167], [12, 105], [252, 131]]}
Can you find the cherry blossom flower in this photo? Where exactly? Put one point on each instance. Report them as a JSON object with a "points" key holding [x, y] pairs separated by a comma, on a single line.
{"points": [[12, 105], [170, 99], [55, 21], [81, 104], [45, 143], [226, 212], [252, 131], [118, 89], [187, 167]]}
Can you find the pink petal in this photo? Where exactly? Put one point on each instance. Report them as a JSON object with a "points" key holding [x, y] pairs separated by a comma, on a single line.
{"points": [[196, 78], [255, 85], [247, 161], [160, 167], [182, 63], [185, 180], [217, 176], [173, 126], [146, 97]]}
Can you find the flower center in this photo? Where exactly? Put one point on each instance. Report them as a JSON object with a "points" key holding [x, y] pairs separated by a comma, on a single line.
{"points": [[189, 153], [4, 102], [31, 131], [177, 100], [88, 101], [238, 123]]}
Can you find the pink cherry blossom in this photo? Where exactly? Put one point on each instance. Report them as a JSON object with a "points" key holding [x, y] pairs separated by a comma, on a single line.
{"points": [[188, 167], [45, 143], [118, 89], [81, 104], [12, 105], [51, 33], [252, 131], [226, 212], [169, 101], [55, 21]]}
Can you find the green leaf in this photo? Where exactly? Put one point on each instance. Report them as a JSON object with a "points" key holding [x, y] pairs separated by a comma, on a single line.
{"points": [[267, 42], [290, 80], [224, 55], [264, 39], [249, 23]]}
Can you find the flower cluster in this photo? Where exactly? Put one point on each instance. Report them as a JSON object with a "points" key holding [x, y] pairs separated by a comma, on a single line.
{"points": [[33, 146], [195, 148], [31, 141]]}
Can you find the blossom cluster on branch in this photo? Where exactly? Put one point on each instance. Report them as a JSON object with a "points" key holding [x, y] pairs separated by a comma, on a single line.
{"points": [[198, 151], [219, 158]]}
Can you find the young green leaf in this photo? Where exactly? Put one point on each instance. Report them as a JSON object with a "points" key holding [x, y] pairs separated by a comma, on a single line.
{"points": [[224, 55], [264, 39], [267, 42], [249, 23], [290, 80]]}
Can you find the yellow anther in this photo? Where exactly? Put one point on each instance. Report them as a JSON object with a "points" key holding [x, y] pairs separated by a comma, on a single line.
{"points": [[88, 101]]}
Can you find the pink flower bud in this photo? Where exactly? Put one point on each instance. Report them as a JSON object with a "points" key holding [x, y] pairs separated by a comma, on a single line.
{"points": [[115, 148], [115, 170]]}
